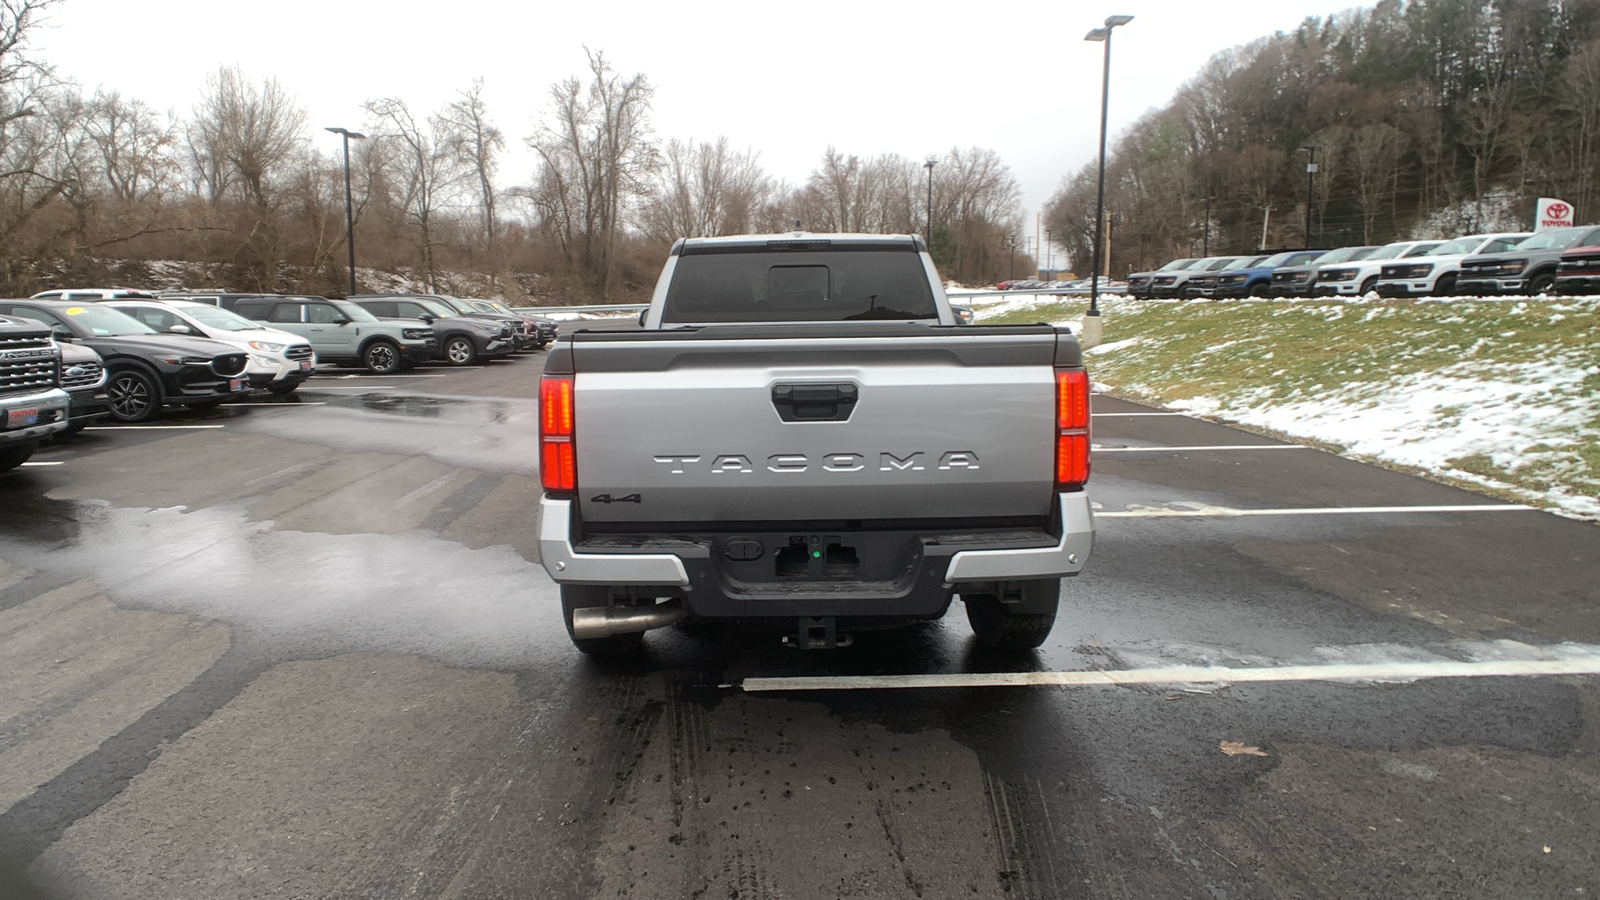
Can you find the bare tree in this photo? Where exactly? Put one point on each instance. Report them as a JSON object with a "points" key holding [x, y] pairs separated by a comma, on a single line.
{"points": [[704, 190], [478, 142], [1376, 151], [249, 129], [595, 154], [427, 166]]}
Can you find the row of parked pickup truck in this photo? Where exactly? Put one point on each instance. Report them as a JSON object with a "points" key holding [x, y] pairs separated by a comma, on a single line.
{"points": [[1559, 260]]}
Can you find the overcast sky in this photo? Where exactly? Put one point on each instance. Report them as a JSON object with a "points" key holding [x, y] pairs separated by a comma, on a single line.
{"points": [[784, 79]]}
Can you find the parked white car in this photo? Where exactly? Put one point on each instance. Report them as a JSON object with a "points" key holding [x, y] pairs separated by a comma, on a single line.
{"points": [[1356, 278], [1434, 273], [278, 360]]}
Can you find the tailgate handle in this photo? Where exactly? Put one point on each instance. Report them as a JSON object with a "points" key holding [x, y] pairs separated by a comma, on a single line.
{"points": [[814, 402]]}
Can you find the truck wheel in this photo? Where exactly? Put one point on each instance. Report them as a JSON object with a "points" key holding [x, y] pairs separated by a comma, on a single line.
{"points": [[16, 454], [1445, 286], [583, 596], [1540, 283], [1001, 626], [1368, 286], [381, 358]]}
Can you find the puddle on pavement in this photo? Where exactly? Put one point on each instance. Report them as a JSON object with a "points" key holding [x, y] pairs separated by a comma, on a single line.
{"points": [[305, 593], [495, 435]]}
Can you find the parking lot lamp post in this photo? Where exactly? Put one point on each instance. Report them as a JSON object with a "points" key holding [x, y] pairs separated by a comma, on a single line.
{"points": [[929, 166], [349, 206], [1311, 170], [1205, 240], [1103, 35], [1011, 246]]}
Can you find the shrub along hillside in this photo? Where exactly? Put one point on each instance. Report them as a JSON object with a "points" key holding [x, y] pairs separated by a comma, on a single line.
{"points": [[1503, 394]]}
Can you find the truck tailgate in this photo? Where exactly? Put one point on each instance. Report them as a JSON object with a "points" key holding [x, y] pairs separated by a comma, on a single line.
{"points": [[737, 425]]}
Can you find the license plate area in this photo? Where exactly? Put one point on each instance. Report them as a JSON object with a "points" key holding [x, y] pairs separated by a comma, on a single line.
{"points": [[22, 418], [235, 384]]}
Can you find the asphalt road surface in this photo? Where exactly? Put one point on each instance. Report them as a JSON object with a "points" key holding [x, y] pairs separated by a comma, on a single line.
{"points": [[306, 650]]}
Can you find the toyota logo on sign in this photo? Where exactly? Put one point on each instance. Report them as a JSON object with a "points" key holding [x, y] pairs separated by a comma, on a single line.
{"points": [[1557, 211]]}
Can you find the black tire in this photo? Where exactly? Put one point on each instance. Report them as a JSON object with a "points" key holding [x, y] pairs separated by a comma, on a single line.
{"points": [[1445, 286], [16, 454], [279, 389], [1367, 286], [134, 395], [999, 626], [582, 596], [1260, 289], [460, 351], [1540, 283], [381, 358]]}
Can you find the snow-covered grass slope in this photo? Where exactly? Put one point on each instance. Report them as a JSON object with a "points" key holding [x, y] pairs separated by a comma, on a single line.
{"points": [[1503, 394]]}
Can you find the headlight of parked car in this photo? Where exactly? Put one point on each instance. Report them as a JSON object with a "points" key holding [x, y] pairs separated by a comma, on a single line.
{"points": [[267, 346], [416, 334], [174, 359], [1513, 267]]}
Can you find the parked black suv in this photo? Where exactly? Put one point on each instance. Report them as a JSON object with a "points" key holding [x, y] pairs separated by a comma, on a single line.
{"points": [[32, 403], [463, 340], [83, 377], [525, 338], [544, 328], [148, 370]]}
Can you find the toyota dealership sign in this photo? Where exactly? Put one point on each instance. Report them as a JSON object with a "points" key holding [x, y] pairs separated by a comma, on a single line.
{"points": [[1552, 213]]}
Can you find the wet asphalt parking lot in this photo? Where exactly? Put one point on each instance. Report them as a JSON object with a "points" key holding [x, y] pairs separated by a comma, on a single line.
{"points": [[307, 650]]}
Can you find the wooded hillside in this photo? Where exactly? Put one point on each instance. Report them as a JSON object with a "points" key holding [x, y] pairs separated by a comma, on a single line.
{"points": [[1430, 118]]}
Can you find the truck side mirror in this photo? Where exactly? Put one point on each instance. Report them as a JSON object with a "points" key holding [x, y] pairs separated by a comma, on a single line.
{"points": [[642, 314]]}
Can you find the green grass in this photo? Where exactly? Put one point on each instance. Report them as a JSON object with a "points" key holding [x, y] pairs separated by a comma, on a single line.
{"points": [[1260, 361]]}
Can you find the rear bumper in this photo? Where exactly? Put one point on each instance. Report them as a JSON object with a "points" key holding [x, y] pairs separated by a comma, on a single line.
{"points": [[917, 571]]}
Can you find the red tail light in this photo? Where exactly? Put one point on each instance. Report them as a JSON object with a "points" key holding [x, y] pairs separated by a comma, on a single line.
{"points": [[1072, 429], [558, 468]]}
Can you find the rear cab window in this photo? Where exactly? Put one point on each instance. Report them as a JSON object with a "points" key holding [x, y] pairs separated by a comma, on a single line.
{"points": [[840, 284]]}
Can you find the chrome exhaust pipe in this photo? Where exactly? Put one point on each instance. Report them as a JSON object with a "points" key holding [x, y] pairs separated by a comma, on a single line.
{"points": [[605, 621]]}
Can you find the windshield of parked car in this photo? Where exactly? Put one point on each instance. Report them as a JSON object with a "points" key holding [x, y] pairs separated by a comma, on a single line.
{"points": [[1277, 259], [1390, 251], [353, 312], [1226, 262], [1555, 238], [1343, 254], [437, 308], [483, 306], [1457, 247], [217, 317], [1177, 264], [1419, 250], [103, 321], [835, 285]]}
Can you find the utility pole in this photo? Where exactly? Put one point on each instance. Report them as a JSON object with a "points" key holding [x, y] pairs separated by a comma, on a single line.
{"points": [[1205, 242], [1107, 271], [1311, 170], [349, 214], [1266, 216]]}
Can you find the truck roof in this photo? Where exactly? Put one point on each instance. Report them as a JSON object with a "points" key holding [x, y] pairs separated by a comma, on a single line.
{"points": [[797, 240]]}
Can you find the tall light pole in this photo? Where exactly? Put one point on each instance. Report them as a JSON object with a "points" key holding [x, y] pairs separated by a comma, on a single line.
{"points": [[929, 166], [349, 205], [1311, 170], [1050, 253], [1102, 35], [1205, 242]]}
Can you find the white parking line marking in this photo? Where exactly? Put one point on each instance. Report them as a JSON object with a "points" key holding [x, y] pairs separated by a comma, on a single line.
{"points": [[1099, 449], [266, 403], [1225, 512], [1582, 665], [149, 427], [1135, 415], [350, 387], [386, 376], [56, 463]]}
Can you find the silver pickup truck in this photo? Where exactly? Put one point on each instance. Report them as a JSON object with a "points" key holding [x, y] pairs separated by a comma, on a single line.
{"points": [[801, 435]]}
